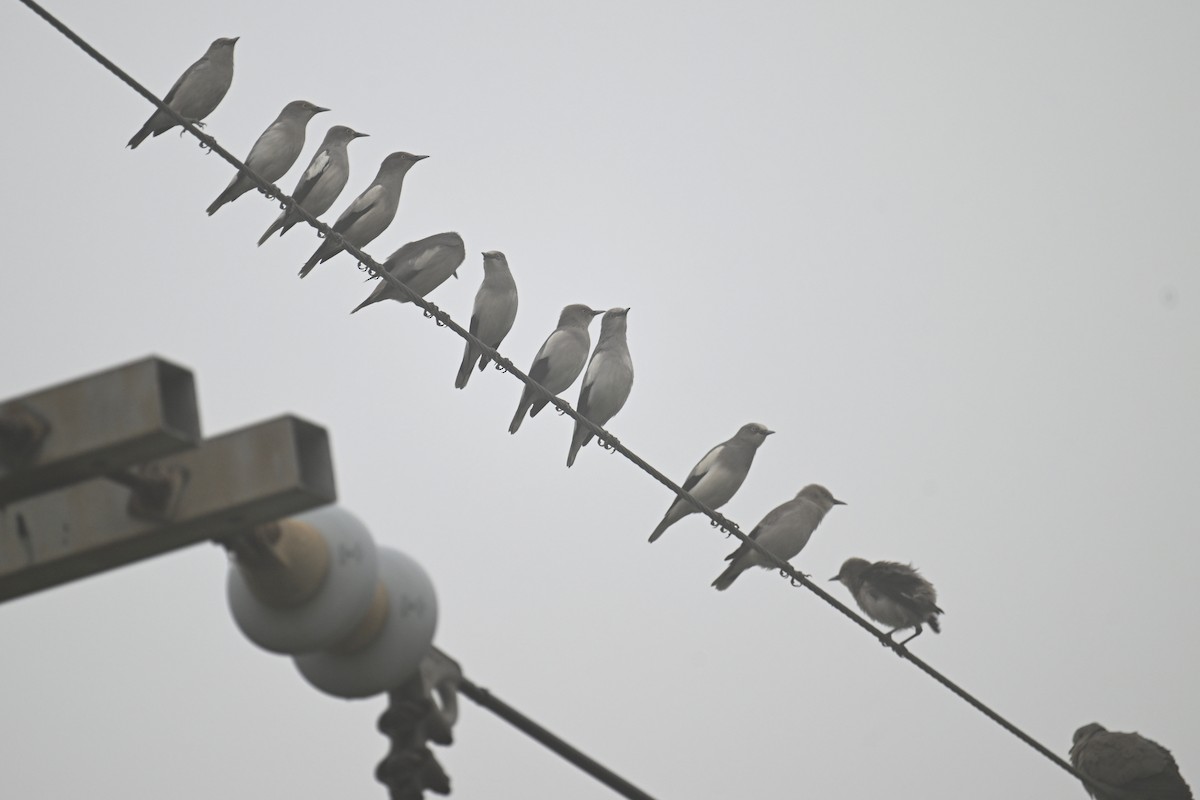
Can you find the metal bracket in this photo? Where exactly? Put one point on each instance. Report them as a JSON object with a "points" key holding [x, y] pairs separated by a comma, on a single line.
{"points": [[155, 489], [22, 431]]}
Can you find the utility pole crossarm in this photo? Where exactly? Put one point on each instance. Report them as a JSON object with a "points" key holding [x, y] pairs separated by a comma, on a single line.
{"points": [[228, 484], [94, 425]]}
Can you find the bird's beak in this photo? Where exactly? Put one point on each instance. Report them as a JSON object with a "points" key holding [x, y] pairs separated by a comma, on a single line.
{"points": [[837, 502], [768, 433], [627, 311], [454, 275], [319, 110], [234, 39], [835, 578], [358, 135], [597, 313], [420, 158]]}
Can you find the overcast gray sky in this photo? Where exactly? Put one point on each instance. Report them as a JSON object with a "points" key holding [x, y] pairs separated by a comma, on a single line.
{"points": [[948, 251]]}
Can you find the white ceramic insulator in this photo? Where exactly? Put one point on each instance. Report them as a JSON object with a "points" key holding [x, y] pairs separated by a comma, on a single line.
{"points": [[338, 604], [395, 654]]}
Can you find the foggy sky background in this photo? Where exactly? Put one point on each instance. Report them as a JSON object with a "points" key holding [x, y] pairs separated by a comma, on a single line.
{"points": [[947, 252]]}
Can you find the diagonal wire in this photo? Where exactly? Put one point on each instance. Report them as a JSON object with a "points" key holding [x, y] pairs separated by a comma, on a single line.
{"points": [[605, 439], [527, 726]]}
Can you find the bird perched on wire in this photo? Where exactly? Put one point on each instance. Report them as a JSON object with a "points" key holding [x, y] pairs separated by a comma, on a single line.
{"points": [[784, 532], [1126, 766], [608, 379], [422, 266], [493, 315], [892, 594], [322, 181], [370, 213], [558, 362], [196, 94], [274, 152], [718, 476]]}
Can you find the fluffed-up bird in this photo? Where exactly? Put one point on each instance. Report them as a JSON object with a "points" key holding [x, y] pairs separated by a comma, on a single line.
{"points": [[892, 594], [718, 476], [274, 152], [197, 93], [370, 213], [608, 379], [1126, 766], [422, 266], [558, 362], [322, 181], [493, 315], [784, 532]]}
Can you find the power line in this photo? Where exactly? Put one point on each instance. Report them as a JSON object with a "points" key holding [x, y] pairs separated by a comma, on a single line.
{"points": [[578, 758], [605, 439]]}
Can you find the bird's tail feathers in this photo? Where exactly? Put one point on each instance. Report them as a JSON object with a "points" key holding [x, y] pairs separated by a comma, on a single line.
{"points": [[464, 369], [232, 192], [312, 263], [139, 137], [676, 512], [519, 417], [537, 406], [578, 439], [726, 578], [276, 225], [661, 529]]}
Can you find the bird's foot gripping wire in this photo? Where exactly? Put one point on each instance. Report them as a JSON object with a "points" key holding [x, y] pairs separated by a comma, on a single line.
{"points": [[898, 647], [791, 579], [195, 123], [502, 366], [437, 315], [608, 444]]}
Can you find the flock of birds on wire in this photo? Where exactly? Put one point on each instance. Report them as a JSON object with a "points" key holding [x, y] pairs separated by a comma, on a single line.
{"points": [[1123, 766]]}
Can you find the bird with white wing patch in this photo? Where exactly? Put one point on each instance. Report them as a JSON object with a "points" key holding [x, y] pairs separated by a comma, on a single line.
{"points": [[422, 266], [715, 480], [322, 181]]}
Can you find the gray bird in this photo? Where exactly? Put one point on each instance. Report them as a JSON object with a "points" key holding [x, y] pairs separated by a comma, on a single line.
{"points": [[322, 181], [422, 266], [493, 315], [718, 476], [608, 379], [370, 213], [196, 94], [784, 532], [892, 594], [1126, 766], [558, 362], [274, 152]]}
